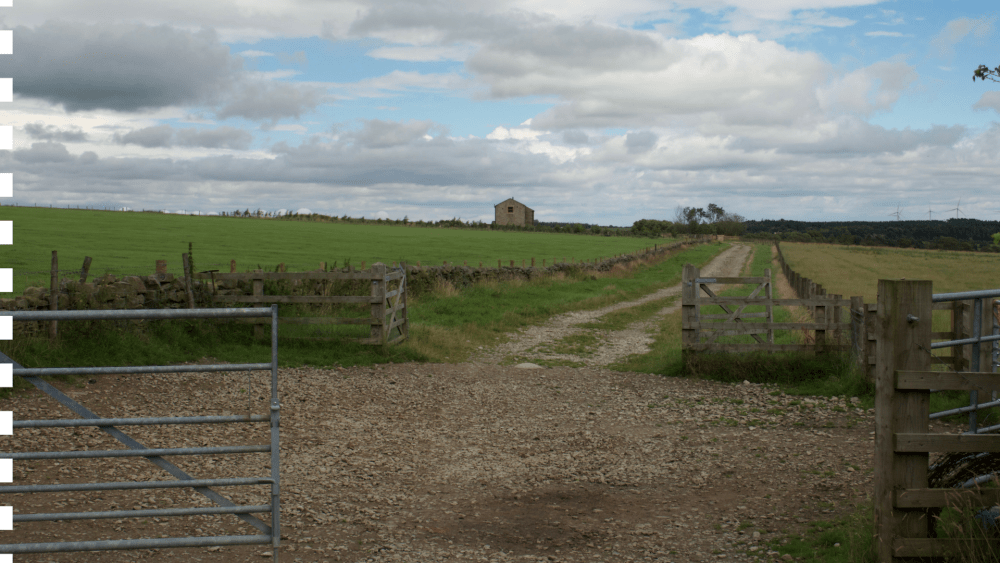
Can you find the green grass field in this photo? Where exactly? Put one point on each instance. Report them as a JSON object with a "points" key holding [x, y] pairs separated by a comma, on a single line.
{"points": [[131, 243], [855, 270]]}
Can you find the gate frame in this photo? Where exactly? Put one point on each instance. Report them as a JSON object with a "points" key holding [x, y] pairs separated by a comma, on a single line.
{"points": [[271, 534]]}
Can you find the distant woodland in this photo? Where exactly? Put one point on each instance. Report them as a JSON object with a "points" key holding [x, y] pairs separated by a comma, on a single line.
{"points": [[952, 234]]}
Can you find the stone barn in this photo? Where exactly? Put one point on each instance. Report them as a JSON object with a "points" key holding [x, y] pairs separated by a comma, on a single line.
{"points": [[513, 212]]}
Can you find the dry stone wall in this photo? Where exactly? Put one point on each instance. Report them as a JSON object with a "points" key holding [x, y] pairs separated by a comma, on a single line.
{"points": [[161, 291]]}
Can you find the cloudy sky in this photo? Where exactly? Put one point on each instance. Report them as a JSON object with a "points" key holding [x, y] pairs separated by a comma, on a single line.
{"points": [[585, 110]]}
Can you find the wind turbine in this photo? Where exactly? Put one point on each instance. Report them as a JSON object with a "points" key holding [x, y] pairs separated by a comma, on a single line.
{"points": [[896, 213], [957, 209], [930, 216]]}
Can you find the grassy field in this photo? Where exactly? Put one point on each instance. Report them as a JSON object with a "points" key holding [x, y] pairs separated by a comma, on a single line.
{"points": [[855, 270], [131, 243]]}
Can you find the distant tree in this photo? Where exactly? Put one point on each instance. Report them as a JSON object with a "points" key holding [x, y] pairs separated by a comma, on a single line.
{"points": [[996, 238]]}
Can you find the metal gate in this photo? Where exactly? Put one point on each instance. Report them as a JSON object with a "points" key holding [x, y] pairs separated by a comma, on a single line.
{"points": [[269, 533], [978, 337]]}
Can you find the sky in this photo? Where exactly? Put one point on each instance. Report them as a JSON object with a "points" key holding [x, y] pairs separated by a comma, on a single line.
{"points": [[586, 111]]}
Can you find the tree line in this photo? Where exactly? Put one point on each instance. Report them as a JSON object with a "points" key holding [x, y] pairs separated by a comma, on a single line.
{"points": [[951, 234]]}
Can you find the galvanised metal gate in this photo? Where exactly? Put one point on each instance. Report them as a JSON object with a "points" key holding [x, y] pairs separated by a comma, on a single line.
{"points": [[975, 341], [269, 534]]}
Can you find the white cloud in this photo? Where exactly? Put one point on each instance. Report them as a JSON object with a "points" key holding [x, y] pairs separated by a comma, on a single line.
{"points": [[423, 54], [884, 34], [956, 30]]}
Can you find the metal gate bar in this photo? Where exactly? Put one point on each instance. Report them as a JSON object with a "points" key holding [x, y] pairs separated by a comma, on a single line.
{"points": [[976, 342], [271, 534]]}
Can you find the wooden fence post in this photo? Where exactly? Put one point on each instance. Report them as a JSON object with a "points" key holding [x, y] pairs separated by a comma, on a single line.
{"points": [[903, 343], [532, 261], [86, 269], [871, 339], [499, 265], [769, 309], [232, 266], [258, 291], [187, 280], [378, 331], [859, 340], [837, 333], [819, 317], [959, 321], [54, 295]]}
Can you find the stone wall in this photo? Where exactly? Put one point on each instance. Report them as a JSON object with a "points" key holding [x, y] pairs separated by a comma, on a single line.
{"points": [[161, 291]]}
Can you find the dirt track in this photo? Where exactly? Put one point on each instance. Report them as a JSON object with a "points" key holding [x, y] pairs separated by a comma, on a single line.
{"points": [[467, 462]]}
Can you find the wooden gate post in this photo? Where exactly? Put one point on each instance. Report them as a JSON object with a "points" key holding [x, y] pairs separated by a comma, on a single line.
{"points": [[258, 291], [378, 331], [86, 269], [188, 279], [689, 310], [903, 343], [54, 295]]}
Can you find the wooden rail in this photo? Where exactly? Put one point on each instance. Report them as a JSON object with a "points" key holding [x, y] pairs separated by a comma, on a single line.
{"points": [[388, 306]]}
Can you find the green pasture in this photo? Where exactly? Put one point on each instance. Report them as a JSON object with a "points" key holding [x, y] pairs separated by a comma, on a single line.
{"points": [[130, 243]]}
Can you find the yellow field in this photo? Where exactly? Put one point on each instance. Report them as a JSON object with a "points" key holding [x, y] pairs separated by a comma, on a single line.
{"points": [[853, 270]]}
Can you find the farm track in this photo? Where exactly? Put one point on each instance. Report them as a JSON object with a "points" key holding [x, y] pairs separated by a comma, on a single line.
{"points": [[537, 343]]}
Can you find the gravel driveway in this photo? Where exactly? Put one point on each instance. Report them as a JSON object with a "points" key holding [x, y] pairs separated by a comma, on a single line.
{"points": [[467, 462]]}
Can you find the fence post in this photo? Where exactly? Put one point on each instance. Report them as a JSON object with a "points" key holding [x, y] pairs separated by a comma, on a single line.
{"points": [[958, 328], [532, 261], [769, 308], [378, 331], [86, 269], [819, 317], [258, 291], [54, 295], [406, 316], [689, 310], [858, 337], [187, 280], [903, 343]]}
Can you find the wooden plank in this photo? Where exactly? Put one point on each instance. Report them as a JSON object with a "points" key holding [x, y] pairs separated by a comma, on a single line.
{"points": [[774, 302], [901, 344], [912, 443], [962, 381], [939, 547], [325, 320], [394, 276], [930, 498], [733, 280], [942, 306], [391, 294], [275, 276], [292, 299], [742, 331], [943, 336], [753, 346], [773, 326], [742, 316]]}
